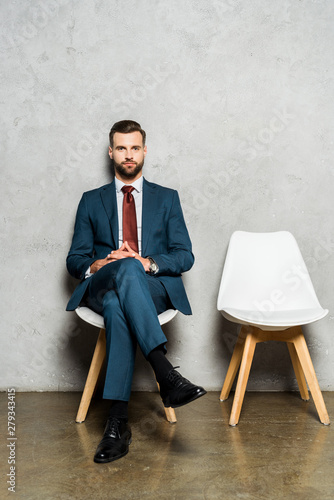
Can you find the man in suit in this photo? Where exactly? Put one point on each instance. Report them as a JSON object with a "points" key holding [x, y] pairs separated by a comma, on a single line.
{"points": [[129, 248]]}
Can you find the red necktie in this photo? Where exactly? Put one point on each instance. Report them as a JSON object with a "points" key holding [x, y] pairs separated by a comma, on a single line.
{"points": [[129, 218]]}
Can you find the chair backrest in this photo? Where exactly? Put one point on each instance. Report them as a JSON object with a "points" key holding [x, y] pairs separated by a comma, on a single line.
{"points": [[265, 271]]}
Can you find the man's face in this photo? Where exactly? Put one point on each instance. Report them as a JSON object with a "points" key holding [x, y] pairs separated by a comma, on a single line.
{"points": [[128, 154]]}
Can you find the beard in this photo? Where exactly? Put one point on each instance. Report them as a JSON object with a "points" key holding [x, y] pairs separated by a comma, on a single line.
{"points": [[129, 174]]}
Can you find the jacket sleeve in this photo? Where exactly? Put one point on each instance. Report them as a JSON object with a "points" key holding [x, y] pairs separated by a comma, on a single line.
{"points": [[179, 257], [81, 254]]}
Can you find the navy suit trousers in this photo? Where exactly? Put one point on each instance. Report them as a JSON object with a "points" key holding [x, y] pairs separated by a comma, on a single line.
{"points": [[130, 301]]}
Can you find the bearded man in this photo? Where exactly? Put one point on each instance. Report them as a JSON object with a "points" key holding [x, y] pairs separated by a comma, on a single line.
{"points": [[129, 249]]}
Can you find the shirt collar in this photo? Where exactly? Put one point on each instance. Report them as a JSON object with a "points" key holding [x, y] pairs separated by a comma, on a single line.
{"points": [[138, 184]]}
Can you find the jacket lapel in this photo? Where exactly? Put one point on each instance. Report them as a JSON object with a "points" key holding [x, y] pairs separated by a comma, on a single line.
{"points": [[108, 195], [149, 202]]}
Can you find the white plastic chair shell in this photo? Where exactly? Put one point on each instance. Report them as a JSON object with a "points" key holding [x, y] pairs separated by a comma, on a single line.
{"points": [[96, 319], [265, 282]]}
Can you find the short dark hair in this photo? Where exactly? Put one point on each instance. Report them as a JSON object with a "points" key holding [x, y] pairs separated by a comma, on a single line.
{"points": [[126, 127]]}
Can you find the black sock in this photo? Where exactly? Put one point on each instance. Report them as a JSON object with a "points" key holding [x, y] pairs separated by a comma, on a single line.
{"points": [[160, 364], [118, 409]]}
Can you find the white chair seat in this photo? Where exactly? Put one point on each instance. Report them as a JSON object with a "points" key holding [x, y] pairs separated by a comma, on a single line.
{"points": [[90, 316], [96, 319], [274, 320]]}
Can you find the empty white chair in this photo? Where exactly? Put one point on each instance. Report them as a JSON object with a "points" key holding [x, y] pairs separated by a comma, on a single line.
{"points": [[266, 288]]}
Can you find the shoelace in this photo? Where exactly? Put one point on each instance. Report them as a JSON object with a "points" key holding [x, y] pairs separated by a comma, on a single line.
{"points": [[112, 426], [173, 375]]}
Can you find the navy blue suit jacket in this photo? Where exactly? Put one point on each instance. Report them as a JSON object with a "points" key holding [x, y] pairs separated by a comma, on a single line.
{"points": [[164, 238]]}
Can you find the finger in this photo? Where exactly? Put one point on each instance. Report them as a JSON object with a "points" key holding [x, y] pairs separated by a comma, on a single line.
{"points": [[125, 254], [129, 249], [119, 254]]}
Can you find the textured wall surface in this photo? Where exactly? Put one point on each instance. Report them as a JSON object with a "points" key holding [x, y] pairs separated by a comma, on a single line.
{"points": [[236, 98]]}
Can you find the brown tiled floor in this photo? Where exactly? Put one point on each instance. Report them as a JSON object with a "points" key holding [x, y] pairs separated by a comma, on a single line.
{"points": [[279, 450]]}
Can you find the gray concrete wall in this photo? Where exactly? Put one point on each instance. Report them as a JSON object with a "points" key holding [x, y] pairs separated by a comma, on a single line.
{"points": [[236, 98]]}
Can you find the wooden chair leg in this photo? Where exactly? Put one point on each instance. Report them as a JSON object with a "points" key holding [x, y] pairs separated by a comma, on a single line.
{"points": [[298, 372], [311, 378], [170, 415], [93, 375], [234, 365], [246, 363], [169, 412]]}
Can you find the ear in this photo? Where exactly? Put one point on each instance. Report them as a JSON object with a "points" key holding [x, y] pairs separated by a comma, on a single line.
{"points": [[145, 150], [110, 152]]}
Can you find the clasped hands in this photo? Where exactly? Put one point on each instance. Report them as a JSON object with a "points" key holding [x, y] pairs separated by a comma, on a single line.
{"points": [[125, 251]]}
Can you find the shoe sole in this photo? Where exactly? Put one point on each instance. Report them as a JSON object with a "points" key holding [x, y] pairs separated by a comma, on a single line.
{"points": [[198, 395], [108, 460]]}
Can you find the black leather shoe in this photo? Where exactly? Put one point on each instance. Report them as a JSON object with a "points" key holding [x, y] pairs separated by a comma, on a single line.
{"points": [[115, 441], [177, 391]]}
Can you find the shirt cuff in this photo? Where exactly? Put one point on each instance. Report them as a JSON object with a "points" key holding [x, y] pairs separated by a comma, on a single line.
{"points": [[88, 274]]}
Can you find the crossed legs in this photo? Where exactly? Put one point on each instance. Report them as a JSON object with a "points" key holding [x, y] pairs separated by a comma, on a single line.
{"points": [[130, 302]]}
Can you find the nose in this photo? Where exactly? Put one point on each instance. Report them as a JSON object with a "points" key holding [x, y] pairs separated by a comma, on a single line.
{"points": [[129, 154]]}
